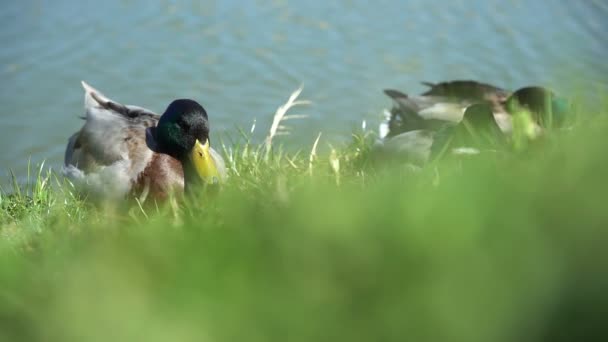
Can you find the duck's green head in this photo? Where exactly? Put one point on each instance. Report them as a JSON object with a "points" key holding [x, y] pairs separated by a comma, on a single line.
{"points": [[183, 132], [547, 109]]}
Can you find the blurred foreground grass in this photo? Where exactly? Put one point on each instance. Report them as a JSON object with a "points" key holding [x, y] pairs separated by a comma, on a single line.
{"points": [[300, 247]]}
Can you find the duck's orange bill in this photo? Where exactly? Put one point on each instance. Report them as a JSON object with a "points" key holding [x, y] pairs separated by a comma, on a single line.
{"points": [[204, 163]]}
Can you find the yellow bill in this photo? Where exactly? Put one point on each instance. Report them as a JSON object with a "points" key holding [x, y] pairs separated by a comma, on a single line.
{"points": [[204, 163]]}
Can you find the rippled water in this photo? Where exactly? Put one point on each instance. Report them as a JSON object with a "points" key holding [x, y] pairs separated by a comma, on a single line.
{"points": [[241, 59]]}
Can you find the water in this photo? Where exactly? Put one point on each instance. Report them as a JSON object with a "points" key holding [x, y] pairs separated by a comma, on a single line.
{"points": [[242, 59]]}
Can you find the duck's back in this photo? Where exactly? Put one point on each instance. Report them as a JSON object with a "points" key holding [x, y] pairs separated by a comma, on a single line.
{"points": [[114, 153], [466, 89]]}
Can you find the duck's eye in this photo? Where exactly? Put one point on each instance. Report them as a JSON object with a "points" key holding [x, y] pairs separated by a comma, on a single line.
{"points": [[200, 154]]}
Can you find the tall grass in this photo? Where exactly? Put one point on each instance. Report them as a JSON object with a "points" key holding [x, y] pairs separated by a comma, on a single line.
{"points": [[307, 247]]}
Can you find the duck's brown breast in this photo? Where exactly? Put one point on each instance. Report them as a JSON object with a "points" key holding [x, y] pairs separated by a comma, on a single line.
{"points": [[160, 177]]}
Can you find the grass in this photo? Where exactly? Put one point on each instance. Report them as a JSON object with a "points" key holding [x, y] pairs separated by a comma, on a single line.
{"points": [[313, 246]]}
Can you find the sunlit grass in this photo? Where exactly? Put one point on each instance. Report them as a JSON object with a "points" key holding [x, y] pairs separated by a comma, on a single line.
{"points": [[310, 246]]}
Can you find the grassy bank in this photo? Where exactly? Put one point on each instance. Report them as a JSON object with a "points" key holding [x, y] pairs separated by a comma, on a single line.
{"points": [[308, 246]]}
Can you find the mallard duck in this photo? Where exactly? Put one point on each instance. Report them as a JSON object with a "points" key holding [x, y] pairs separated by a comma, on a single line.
{"points": [[445, 103], [417, 127], [477, 131], [124, 149]]}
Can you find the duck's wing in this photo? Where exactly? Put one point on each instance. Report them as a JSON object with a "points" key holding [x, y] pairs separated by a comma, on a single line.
{"points": [[470, 92], [463, 89], [441, 108], [411, 113], [113, 147], [424, 107], [467, 89], [403, 116]]}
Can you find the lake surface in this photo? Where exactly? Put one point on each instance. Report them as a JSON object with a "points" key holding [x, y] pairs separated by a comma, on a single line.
{"points": [[242, 59]]}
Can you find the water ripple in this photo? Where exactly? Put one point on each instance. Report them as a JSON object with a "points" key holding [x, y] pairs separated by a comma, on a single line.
{"points": [[243, 58]]}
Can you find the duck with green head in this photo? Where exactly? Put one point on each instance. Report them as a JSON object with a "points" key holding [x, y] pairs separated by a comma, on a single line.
{"points": [[445, 103], [418, 125], [124, 149]]}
